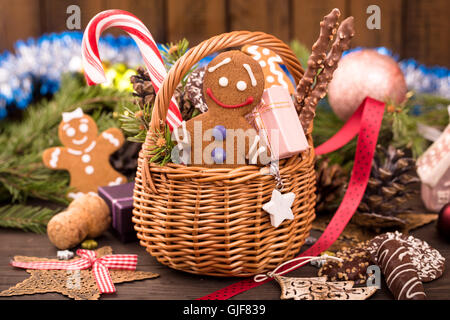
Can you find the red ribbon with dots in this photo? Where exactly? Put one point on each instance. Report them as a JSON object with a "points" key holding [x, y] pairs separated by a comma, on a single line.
{"points": [[366, 121]]}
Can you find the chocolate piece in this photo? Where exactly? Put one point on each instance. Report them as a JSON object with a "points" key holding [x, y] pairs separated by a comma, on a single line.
{"points": [[344, 35], [313, 85], [328, 27], [401, 275], [428, 262], [194, 89], [354, 265]]}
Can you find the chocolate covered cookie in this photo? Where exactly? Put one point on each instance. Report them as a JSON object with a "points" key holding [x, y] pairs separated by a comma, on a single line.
{"points": [[395, 261], [428, 262]]}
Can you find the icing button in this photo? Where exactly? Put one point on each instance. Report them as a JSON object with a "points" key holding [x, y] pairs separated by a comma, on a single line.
{"points": [[86, 158], [219, 133], [218, 155]]}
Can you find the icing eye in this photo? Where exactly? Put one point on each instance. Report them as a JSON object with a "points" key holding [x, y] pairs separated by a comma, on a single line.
{"points": [[270, 79], [241, 85], [83, 127], [70, 132], [223, 81]]}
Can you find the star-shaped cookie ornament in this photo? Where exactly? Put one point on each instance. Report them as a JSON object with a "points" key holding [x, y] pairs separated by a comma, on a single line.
{"points": [[279, 207], [76, 284]]}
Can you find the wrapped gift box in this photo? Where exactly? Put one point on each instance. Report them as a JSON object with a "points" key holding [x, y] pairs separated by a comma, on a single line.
{"points": [[120, 201], [278, 123]]}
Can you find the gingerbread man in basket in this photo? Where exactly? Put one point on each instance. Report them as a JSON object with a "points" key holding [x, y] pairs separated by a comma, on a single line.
{"points": [[85, 154], [246, 123], [232, 86]]}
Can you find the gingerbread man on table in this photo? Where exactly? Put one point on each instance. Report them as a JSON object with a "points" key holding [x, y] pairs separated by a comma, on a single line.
{"points": [[85, 154], [232, 86]]}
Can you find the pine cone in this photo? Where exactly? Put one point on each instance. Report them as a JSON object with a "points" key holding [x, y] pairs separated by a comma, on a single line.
{"points": [[331, 181], [143, 88], [391, 185], [146, 95]]}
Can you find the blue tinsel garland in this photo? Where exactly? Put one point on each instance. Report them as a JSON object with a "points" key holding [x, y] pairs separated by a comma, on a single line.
{"points": [[38, 64]]}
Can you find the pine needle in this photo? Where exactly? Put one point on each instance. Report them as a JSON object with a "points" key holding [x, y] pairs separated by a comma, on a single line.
{"points": [[26, 218]]}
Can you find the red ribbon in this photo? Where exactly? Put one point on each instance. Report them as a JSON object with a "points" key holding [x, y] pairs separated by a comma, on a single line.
{"points": [[88, 259], [367, 121]]}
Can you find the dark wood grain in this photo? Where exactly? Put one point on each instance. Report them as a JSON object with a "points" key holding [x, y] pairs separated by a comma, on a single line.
{"points": [[307, 16], [426, 31], [410, 28], [54, 16], [13, 15], [269, 16], [195, 20], [173, 284], [390, 34]]}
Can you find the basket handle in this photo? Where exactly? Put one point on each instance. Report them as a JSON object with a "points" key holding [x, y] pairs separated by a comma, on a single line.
{"points": [[207, 47]]}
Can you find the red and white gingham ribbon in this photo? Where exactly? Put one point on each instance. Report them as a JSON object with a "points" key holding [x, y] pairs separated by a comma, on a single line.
{"points": [[93, 68], [88, 260]]}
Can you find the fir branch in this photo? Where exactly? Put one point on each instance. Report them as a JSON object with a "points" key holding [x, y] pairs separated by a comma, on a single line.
{"points": [[135, 121], [172, 52], [26, 218], [163, 145]]}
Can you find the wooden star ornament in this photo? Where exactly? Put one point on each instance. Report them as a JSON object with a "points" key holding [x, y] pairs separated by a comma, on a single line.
{"points": [[75, 284], [279, 207]]}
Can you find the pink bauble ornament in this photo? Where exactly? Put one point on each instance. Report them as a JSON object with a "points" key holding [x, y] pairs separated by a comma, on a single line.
{"points": [[443, 223], [361, 74]]}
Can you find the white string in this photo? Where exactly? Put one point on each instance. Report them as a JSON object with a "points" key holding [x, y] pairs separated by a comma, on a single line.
{"points": [[264, 277]]}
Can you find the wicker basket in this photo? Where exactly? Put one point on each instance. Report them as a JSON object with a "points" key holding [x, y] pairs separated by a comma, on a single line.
{"points": [[210, 221]]}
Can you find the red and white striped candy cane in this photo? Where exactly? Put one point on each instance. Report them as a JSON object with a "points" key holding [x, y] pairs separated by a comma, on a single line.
{"points": [[124, 20]]}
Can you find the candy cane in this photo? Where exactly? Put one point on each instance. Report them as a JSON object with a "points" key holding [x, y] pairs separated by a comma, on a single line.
{"points": [[124, 20]]}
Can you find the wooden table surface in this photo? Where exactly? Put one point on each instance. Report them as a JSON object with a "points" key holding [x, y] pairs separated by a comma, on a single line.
{"points": [[174, 285]]}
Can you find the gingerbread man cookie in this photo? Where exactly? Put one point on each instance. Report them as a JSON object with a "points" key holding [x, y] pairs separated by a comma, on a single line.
{"points": [[85, 155], [270, 64], [232, 86]]}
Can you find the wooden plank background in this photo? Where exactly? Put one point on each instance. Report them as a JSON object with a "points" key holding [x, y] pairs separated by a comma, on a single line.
{"points": [[410, 28]]}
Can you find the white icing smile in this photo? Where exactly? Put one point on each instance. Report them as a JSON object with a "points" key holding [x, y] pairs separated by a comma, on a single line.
{"points": [[80, 141]]}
